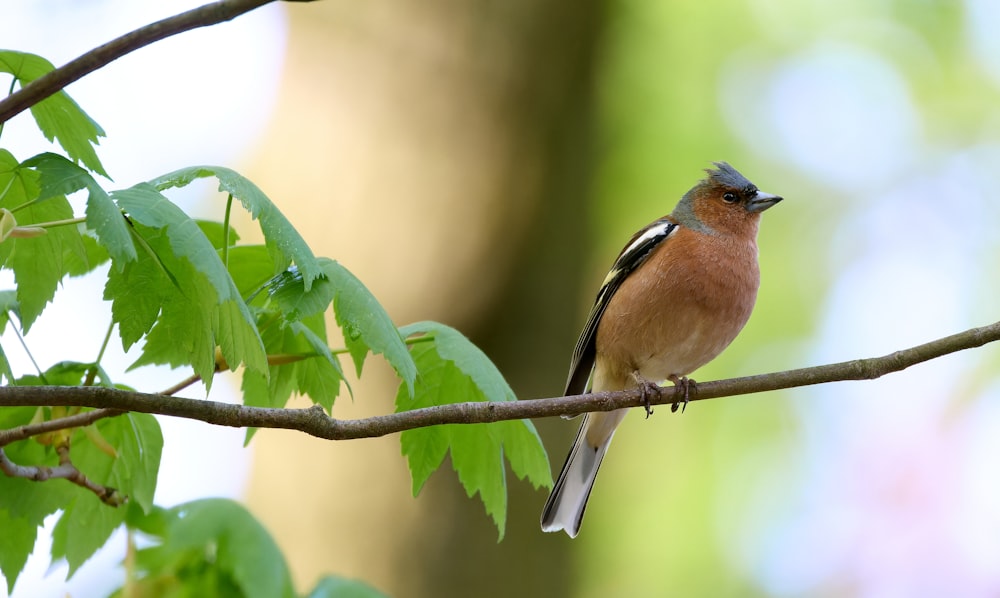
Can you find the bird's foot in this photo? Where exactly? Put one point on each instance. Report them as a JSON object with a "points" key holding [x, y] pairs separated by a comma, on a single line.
{"points": [[685, 385], [648, 389]]}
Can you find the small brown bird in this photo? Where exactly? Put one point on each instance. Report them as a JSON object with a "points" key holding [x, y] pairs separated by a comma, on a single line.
{"points": [[678, 294]]}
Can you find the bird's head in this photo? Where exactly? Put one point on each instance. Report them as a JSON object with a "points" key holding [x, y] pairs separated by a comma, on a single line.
{"points": [[724, 202]]}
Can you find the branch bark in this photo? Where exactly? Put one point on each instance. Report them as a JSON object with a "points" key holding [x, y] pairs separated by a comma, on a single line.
{"points": [[314, 421], [65, 470], [57, 79]]}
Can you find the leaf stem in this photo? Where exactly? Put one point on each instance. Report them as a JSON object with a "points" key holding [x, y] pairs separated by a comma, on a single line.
{"points": [[55, 223], [92, 370], [30, 356], [225, 232]]}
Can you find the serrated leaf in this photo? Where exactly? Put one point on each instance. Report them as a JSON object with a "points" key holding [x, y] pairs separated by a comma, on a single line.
{"points": [[86, 522], [453, 370], [183, 335], [18, 543], [209, 311], [366, 325], [318, 377], [311, 369], [26, 503], [37, 262], [78, 264], [453, 346], [58, 116], [59, 176], [251, 268], [5, 371], [137, 291], [8, 305], [84, 526], [146, 205], [338, 587], [283, 241], [287, 290], [22, 498], [525, 451]]}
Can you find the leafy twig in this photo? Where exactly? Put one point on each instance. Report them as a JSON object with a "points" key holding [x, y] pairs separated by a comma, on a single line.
{"points": [[315, 422], [65, 470], [55, 80]]}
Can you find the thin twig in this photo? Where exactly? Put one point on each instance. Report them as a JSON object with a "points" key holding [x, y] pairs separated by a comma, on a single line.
{"points": [[53, 425], [176, 388], [66, 471], [57, 79], [314, 421]]}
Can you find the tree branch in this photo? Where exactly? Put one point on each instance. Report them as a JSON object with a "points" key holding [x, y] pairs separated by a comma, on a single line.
{"points": [[315, 422], [53, 425], [57, 79], [65, 470]]}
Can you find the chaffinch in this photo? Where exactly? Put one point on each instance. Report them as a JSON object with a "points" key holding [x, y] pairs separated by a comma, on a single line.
{"points": [[678, 294]]}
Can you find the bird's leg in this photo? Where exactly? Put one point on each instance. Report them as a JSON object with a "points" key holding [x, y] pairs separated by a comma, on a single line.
{"points": [[685, 384], [648, 388]]}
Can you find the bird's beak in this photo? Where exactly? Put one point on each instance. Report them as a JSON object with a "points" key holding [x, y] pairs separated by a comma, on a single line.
{"points": [[762, 201]]}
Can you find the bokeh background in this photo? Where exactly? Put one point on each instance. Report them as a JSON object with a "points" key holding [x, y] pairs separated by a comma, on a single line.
{"points": [[481, 163]]}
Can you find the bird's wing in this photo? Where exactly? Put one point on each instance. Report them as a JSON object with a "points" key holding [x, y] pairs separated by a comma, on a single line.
{"points": [[635, 253]]}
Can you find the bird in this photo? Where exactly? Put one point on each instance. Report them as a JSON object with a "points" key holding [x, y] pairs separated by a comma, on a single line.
{"points": [[678, 294]]}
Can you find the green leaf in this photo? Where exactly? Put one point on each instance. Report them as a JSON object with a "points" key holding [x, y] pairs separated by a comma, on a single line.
{"points": [[318, 377], [78, 264], [8, 305], [215, 233], [22, 498], [137, 291], [60, 176], [5, 371], [311, 369], [283, 241], [18, 542], [245, 560], [454, 370], [84, 527], [25, 504], [153, 521], [147, 206], [338, 587], [366, 325], [58, 116], [37, 262], [210, 310], [251, 267], [86, 522], [287, 290]]}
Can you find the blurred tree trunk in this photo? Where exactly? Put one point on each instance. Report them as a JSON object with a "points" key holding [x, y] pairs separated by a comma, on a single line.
{"points": [[442, 151], [531, 324]]}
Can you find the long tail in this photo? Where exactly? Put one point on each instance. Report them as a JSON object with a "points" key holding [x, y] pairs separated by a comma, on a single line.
{"points": [[565, 506]]}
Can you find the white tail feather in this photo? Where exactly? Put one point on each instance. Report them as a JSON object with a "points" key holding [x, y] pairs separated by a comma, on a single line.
{"points": [[565, 507]]}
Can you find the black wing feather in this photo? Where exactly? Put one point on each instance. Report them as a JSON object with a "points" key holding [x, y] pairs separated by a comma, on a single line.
{"points": [[632, 256]]}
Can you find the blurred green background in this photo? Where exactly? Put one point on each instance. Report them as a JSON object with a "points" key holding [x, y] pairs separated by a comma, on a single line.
{"points": [[481, 163]]}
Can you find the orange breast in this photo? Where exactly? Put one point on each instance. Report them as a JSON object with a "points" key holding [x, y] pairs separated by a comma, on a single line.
{"points": [[679, 310]]}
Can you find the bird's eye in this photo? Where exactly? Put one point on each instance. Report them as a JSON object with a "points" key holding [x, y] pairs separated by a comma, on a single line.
{"points": [[729, 197]]}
